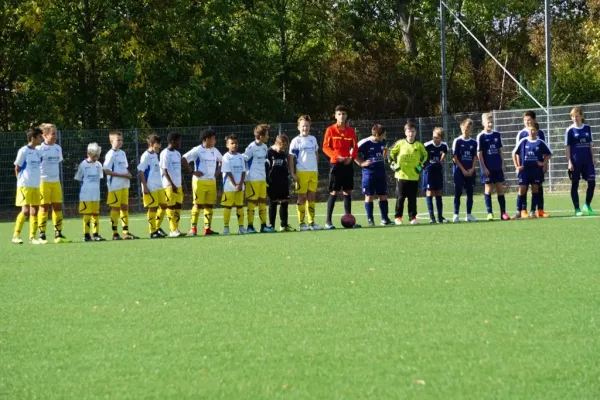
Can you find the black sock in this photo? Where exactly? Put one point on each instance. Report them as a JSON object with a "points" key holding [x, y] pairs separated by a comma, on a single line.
{"points": [[589, 195], [330, 205], [272, 213], [348, 204], [283, 214]]}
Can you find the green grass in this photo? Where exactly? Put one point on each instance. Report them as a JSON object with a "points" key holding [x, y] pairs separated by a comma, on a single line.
{"points": [[396, 312]]}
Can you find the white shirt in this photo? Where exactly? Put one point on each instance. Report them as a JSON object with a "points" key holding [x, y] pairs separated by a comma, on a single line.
{"points": [[116, 161], [236, 165], [89, 174], [51, 156], [305, 149], [205, 160], [171, 161], [29, 160], [150, 166], [256, 157]]}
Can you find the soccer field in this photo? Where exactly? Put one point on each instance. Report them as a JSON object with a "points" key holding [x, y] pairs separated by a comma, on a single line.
{"points": [[479, 310]]}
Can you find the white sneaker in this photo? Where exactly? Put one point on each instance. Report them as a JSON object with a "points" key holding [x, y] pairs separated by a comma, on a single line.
{"points": [[175, 233], [414, 221], [329, 226], [304, 228], [398, 221], [34, 241], [315, 227], [470, 218], [226, 230], [242, 231], [17, 240], [455, 218]]}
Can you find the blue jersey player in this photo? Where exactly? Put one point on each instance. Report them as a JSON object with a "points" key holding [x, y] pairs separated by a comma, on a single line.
{"points": [[529, 119], [433, 175], [530, 156], [372, 152], [464, 155], [580, 155], [491, 163]]}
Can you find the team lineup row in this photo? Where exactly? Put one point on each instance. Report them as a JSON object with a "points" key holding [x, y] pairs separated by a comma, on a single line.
{"points": [[261, 171]]}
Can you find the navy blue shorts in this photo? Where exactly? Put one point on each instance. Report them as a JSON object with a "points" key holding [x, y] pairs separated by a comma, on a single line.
{"points": [[374, 184], [496, 176], [461, 181], [433, 179], [587, 172], [534, 176]]}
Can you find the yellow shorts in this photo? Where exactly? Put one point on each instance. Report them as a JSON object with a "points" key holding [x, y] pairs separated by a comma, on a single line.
{"points": [[307, 181], [232, 199], [116, 198], [51, 192], [89, 207], [256, 190], [154, 199], [174, 198], [27, 197], [205, 192]]}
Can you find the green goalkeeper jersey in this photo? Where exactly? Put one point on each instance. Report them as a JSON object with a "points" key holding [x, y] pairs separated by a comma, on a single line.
{"points": [[410, 158]]}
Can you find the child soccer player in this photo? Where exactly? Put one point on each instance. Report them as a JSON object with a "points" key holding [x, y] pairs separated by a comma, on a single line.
{"points": [[154, 194], [50, 188], [529, 157], [234, 175], [529, 119], [115, 167], [341, 146], [408, 157], [27, 172], [303, 161], [491, 164], [464, 155], [371, 153], [580, 155], [278, 183], [170, 164], [89, 174], [433, 175], [206, 159], [256, 179]]}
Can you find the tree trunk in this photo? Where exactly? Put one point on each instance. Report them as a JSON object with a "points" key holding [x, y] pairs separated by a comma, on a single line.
{"points": [[283, 46], [405, 21]]}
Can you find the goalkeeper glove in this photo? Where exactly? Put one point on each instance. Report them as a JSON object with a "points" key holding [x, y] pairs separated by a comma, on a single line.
{"points": [[419, 168], [395, 167]]}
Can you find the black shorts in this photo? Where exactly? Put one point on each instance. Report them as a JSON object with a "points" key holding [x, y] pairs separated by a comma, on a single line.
{"points": [[341, 177], [279, 190]]}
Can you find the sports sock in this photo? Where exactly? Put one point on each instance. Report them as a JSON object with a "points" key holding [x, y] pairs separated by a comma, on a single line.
{"points": [[171, 219], [96, 224], [311, 212], [540, 204], [208, 216], [330, 207], [384, 210], [176, 217], [240, 215], [251, 207], [347, 204], [284, 214], [19, 224], [502, 202], [226, 217], [369, 209], [301, 208], [160, 217], [151, 221], [86, 223], [429, 202], [272, 213], [114, 220], [487, 198], [42, 220], [57, 220], [575, 193], [469, 200], [125, 221], [33, 225], [195, 215], [439, 204], [262, 212], [589, 194], [534, 202], [457, 203]]}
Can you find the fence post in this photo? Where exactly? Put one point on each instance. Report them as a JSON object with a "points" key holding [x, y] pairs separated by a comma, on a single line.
{"points": [[62, 175], [137, 176], [420, 130], [549, 139]]}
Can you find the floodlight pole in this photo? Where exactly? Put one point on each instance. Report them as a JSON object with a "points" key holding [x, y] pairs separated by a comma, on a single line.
{"points": [[548, 82], [443, 51]]}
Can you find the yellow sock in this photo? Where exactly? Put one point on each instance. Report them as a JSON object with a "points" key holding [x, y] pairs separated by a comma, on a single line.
{"points": [[86, 223], [176, 217], [42, 220], [262, 213], [208, 214], [251, 206], [114, 221], [125, 221], [195, 216], [226, 217], [57, 220], [311, 212], [160, 217], [240, 216], [152, 221], [301, 213], [171, 220], [19, 224], [96, 224], [33, 225]]}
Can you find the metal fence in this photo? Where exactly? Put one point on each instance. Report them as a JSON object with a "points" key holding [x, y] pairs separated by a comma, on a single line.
{"points": [[74, 144]]}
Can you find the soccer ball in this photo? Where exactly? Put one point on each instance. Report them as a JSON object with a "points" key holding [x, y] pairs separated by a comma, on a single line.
{"points": [[348, 221]]}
